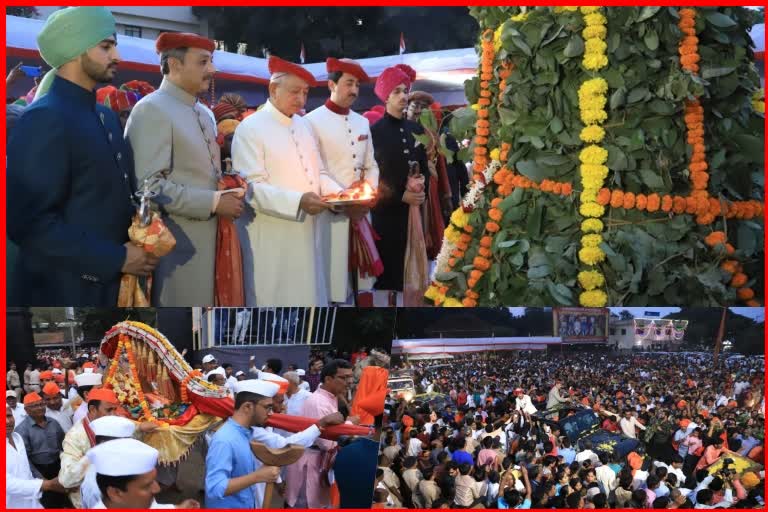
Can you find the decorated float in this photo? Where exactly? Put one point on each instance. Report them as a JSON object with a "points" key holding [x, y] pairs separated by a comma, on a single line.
{"points": [[617, 155], [154, 383]]}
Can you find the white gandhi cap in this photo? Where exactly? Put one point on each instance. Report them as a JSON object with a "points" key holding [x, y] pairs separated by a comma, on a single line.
{"points": [[260, 387], [123, 457], [113, 426]]}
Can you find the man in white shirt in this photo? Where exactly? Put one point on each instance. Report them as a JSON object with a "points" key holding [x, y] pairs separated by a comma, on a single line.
{"points": [[131, 483], [587, 454], [676, 468], [56, 408], [628, 424], [12, 401], [277, 154], [295, 395], [22, 488], [415, 445], [344, 140]]}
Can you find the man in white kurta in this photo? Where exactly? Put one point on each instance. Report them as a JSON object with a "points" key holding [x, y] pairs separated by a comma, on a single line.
{"points": [[344, 140], [276, 153], [22, 489]]}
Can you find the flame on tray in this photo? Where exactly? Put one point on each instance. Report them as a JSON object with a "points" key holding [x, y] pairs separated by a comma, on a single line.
{"points": [[360, 191]]}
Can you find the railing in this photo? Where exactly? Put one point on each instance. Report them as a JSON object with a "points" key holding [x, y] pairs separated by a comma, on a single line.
{"points": [[230, 327]]}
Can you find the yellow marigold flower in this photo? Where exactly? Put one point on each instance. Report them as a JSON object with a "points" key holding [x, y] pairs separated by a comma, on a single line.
{"points": [[591, 240], [495, 153], [452, 234], [497, 38], [593, 116], [591, 102], [592, 210], [595, 45], [475, 106], [592, 226], [566, 9], [589, 10], [594, 171], [520, 17], [432, 292], [450, 302], [592, 183], [593, 299], [588, 196], [593, 155], [594, 86], [598, 31], [594, 62], [594, 19], [459, 218], [591, 255], [592, 133], [759, 107], [591, 279]]}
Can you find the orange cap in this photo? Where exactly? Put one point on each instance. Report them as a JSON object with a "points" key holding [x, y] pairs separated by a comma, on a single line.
{"points": [[103, 395], [51, 389], [47, 374], [31, 398]]}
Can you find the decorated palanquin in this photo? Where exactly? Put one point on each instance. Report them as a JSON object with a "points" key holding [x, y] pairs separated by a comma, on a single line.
{"points": [[154, 383]]}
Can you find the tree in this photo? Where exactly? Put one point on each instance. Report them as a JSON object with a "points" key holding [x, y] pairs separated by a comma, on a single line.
{"points": [[97, 321], [626, 315], [23, 12], [354, 32]]}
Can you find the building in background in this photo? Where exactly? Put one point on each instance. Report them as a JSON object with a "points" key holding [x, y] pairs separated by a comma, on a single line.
{"points": [[646, 333], [147, 22]]}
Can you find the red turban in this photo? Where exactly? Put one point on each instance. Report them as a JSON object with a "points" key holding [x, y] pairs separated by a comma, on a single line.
{"points": [[346, 66], [139, 87], [373, 117], [222, 110], [278, 65], [388, 80], [408, 70], [116, 99], [171, 41]]}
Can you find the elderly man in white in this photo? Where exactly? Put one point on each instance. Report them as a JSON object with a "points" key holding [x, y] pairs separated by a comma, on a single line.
{"points": [[274, 149]]}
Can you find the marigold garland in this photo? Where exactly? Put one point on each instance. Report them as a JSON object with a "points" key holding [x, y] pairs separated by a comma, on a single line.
{"points": [[482, 127]]}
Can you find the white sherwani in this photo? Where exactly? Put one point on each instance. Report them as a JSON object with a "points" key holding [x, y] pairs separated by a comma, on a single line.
{"points": [[22, 489], [282, 253], [346, 147]]}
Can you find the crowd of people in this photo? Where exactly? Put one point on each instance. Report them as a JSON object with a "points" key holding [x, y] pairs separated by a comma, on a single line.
{"points": [[472, 434], [65, 431], [243, 194]]}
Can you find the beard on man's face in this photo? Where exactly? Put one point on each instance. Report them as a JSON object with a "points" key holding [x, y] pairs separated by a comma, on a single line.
{"points": [[98, 72]]}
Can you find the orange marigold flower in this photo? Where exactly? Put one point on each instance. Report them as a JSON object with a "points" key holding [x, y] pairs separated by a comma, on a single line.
{"points": [[714, 206], [465, 238], [690, 204], [653, 203], [492, 227], [468, 228], [666, 203], [471, 282], [730, 249], [476, 274], [617, 198], [641, 201], [500, 176], [484, 252], [738, 280], [705, 219], [557, 188], [745, 293], [486, 241], [469, 303], [483, 112], [451, 262], [495, 202], [629, 200], [567, 189], [604, 196], [495, 214], [484, 102], [730, 266], [714, 238], [753, 304]]}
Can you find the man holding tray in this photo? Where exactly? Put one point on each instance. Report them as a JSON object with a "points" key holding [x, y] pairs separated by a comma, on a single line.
{"points": [[344, 139], [275, 150]]}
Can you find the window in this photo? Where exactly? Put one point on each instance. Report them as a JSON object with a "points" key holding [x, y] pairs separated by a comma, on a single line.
{"points": [[623, 332], [613, 331], [132, 31]]}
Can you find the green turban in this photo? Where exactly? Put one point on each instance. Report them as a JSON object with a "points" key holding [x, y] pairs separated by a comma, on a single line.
{"points": [[69, 33]]}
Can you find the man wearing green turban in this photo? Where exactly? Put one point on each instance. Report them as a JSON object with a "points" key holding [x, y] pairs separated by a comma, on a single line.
{"points": [[71, 173]]}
